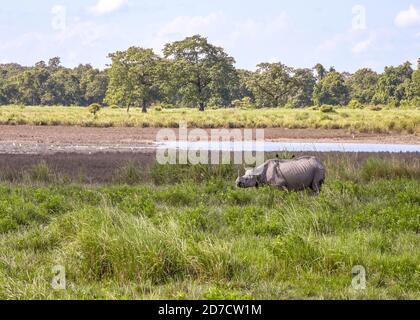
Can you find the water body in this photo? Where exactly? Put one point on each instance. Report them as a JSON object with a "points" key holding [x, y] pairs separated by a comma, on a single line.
{"points": [[276, 146], [268, 146]]}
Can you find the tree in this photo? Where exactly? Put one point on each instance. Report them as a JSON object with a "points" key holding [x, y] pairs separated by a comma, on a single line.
{"points": [[303, 87], [331, 90], [31, 84], [8, 88], [392, 83], [202, 71], [362, 85], [93, 84], [320, 71], [54, 63], [133, 78], [271, 84], [413, 88], [241, 89]]}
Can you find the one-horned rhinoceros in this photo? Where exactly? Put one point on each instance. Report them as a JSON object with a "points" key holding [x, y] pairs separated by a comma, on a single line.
{"points": [[295, 174]]}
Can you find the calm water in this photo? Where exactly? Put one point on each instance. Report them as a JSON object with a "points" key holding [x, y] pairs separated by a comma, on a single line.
{"points": [[288, 146]]}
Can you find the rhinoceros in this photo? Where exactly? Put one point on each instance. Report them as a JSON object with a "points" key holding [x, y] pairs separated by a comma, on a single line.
{"points": [[295, 174]]}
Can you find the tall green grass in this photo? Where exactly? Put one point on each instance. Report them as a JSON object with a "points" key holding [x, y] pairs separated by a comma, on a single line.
{"points": [[199, 237], [363, 120]]}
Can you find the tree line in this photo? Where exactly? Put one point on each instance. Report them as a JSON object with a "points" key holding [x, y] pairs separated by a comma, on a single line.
{"points": [[194, 73]]}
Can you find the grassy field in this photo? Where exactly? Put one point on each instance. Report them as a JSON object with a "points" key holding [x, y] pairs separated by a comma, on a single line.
{"points": [[363, 120], [185, 232]]}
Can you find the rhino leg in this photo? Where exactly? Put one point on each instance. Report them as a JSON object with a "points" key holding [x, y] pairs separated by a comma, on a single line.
{"points": [[317, 183]]}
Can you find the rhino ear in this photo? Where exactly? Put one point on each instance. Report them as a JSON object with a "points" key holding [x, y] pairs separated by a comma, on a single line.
{"points": [[258, 171], [248, 172]]}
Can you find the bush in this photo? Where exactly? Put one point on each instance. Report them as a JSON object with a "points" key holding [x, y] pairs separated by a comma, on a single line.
{"points": [[327, 108], [168, 106], [355, 104], [375, 108], [244, 103], [94, 108], [415, 102], [290, 105], [392, 103]]}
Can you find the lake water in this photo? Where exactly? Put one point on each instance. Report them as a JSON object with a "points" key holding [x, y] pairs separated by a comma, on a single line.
{"points": [[276, 146]]}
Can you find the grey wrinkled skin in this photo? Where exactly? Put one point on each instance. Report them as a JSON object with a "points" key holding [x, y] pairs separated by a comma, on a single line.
{"points": [[296, 174]]}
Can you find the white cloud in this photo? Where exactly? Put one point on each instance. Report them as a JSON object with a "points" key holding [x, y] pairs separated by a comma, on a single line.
{"points": [[362, 46], [87, 32], [22, 40], [409, 17], [218, 22], [234, 35], [107, 6], [253, 28], [332, 43], [188, 25], [354, 41]]}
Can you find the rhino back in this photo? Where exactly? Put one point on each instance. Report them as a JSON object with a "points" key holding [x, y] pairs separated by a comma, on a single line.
{"points": [[298, 173]]}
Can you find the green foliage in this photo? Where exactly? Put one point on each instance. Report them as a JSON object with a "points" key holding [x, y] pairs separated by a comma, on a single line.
{"points": [[331, 90], [327, 109], [94, 108], [194, 73], [362, 85], [355, 104], [134, 78], [393, 84], [274, 85], [208, 240], [244, 103], [51, 84], [200, 71]]}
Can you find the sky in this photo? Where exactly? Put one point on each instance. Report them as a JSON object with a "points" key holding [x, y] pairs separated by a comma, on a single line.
{"points": [[345, 34]]}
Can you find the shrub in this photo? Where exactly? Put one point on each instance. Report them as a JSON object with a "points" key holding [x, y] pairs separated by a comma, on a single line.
{"points": [[375, 108], [392, 103], [355, 104], [244, 103], [168, 106], [415, 102], [94, 108], [327, 108]]}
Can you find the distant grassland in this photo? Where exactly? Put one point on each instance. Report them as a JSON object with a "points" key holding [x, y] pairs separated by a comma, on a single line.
{"points": [[186, 232], [361, 120]]}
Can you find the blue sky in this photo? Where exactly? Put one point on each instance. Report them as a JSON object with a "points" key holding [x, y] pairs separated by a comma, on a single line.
{"points": [[346, 34]]}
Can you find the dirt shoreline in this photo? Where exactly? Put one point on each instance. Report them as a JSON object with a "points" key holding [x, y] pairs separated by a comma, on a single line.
{"points": [[37, 139], [104, 167]]}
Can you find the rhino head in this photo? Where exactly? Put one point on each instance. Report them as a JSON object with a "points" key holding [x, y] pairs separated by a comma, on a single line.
{"points": [[250, 179]]}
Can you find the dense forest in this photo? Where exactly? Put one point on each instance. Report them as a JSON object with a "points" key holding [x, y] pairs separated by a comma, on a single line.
{"points": [[194, 73]]}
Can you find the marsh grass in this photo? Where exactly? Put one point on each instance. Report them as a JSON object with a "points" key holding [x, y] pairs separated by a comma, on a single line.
{"points": [[364, 120], [199, 237]]}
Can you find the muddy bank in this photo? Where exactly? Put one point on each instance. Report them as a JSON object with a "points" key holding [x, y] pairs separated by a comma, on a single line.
{"points": [[103, 167], [40, 139]]}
